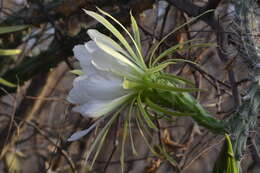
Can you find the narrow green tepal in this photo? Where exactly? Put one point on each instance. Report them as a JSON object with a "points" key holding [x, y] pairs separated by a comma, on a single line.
{"points": [[136, 32], [9, 52], [9, 29], [7, 83], [226, 162], [77, 72]]}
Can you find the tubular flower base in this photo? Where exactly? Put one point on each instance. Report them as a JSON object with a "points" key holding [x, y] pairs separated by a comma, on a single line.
{"points": [[115, 78]]}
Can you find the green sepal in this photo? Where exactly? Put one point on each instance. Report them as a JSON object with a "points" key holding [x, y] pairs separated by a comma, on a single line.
{"points": [[170, 88], [175, 79], [136, 32], [145, 114]]}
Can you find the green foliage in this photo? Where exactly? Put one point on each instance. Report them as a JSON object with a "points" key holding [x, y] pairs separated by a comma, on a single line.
{"points": [[9, 29], [183, 104], [8, 52], [6, 83], [136, 32], [153, 50], [115, 32], [12, 162], [77, 72], [226, 162]]}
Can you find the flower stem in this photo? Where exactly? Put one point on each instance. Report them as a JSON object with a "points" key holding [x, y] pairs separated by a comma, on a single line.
{"points": [[175, 102]]}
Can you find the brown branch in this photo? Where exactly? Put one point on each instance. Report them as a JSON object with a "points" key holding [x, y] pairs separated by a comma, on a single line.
{"points": [[254, 153], [41, 86], [46, 136]]}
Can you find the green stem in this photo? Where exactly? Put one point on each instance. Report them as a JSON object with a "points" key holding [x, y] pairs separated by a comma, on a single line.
{"points": [[172, 102]]}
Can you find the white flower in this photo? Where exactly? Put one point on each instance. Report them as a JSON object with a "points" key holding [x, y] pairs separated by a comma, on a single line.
{"points": [[105, 66], [115, 75], [112, 75]]}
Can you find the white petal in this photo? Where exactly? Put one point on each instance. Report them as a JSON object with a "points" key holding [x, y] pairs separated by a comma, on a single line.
{"points": [[83, 54], [84, 57], [77, 135], [102, 61], [119, 57], [98, 86], [104, 87], [96, 108], [78, 94], [106, 62], [91, 46], [97, 36]]}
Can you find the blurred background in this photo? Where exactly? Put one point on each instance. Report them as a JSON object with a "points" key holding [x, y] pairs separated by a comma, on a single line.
{"points": [[35, 78]]}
